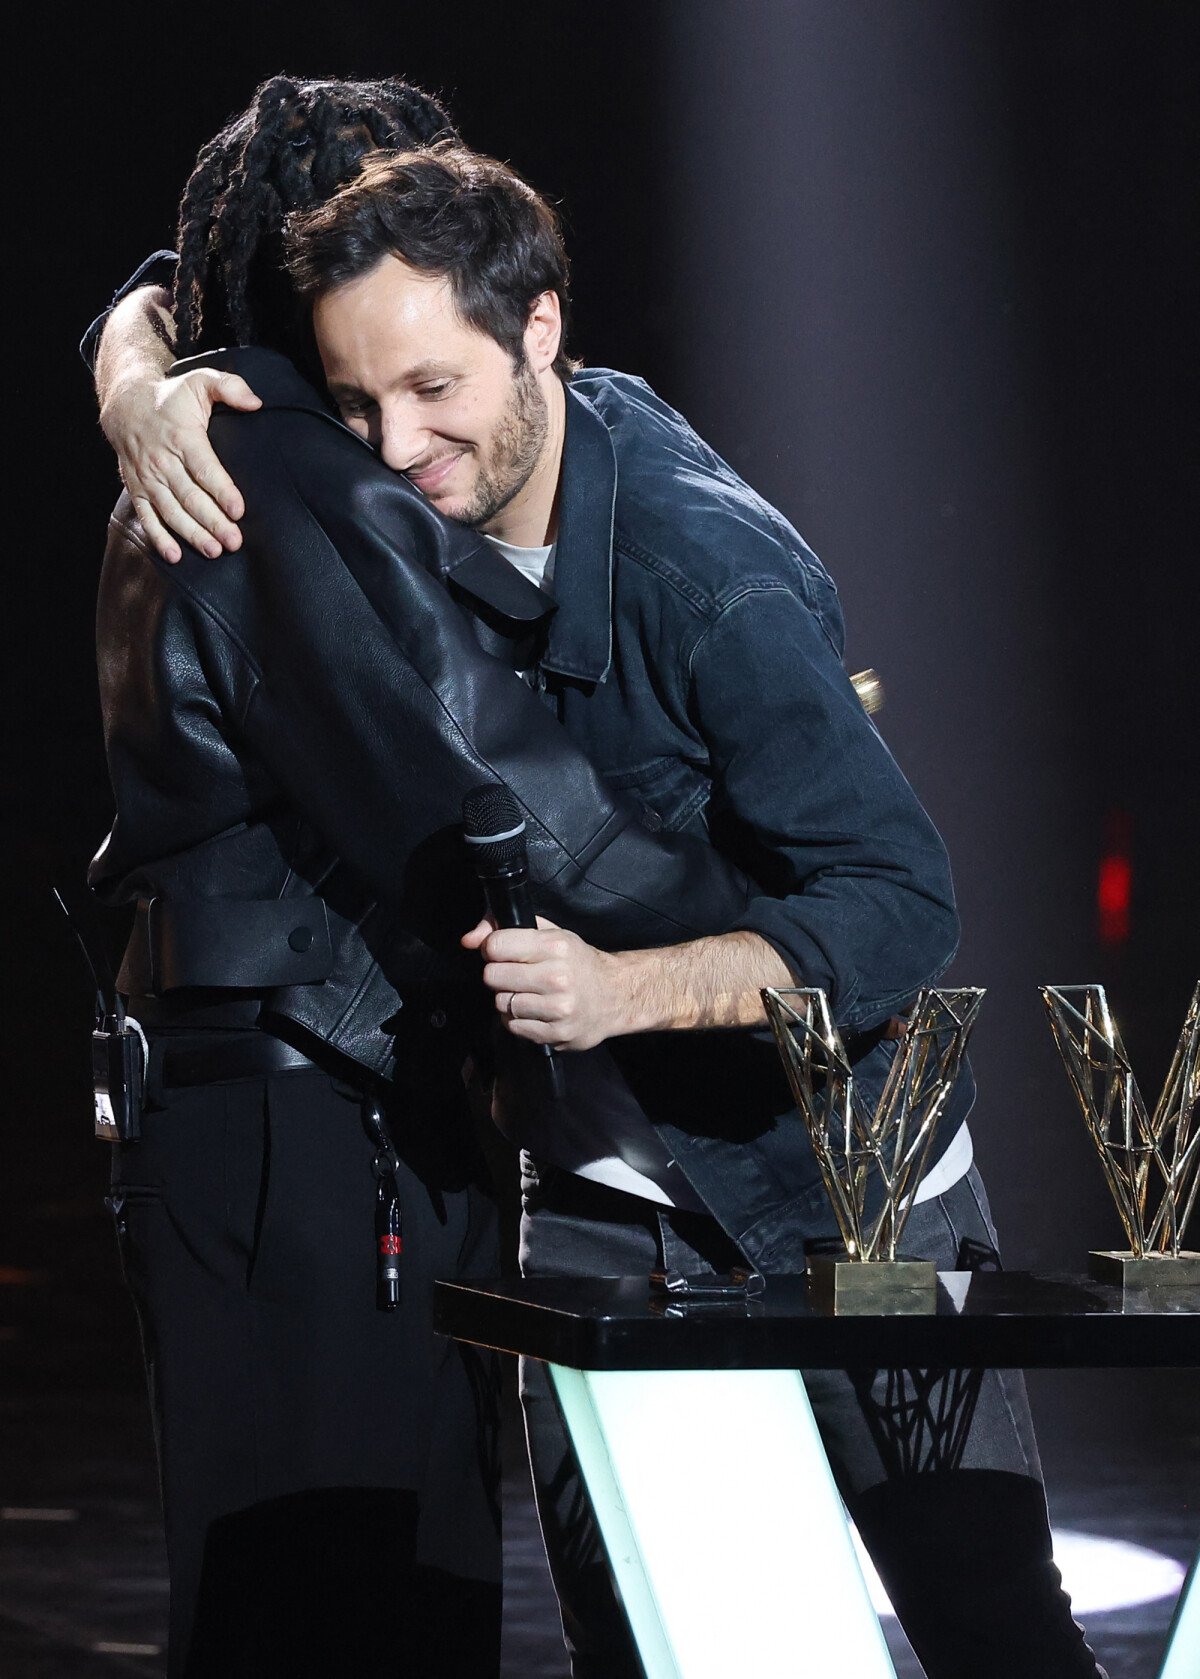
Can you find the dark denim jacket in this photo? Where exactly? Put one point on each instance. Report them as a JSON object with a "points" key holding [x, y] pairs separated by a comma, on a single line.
{"points": [[695, 655]]}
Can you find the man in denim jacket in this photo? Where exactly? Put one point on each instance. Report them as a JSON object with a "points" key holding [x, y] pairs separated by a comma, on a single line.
{"points": [[692, 646]]}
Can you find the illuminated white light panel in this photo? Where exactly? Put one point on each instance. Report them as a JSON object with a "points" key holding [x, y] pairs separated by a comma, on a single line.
{"points": [[712, 1488]]}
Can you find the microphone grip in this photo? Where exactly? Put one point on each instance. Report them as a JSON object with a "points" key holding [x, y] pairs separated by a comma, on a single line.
{"points": [[508, 901], [510, 905]]}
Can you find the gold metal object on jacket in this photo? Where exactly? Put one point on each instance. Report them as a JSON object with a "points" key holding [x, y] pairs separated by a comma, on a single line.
{"points": [[869, 689], [1144, 1155]]}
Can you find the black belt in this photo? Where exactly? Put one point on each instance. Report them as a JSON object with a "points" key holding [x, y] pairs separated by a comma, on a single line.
{"points": [[198, 1012], [250, 1055]]}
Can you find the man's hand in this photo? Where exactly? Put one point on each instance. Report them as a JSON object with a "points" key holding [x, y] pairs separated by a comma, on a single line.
{"points": [[159, 429], [550, 986], [553, 988]]}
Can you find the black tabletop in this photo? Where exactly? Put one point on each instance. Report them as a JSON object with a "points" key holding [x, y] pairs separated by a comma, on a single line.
{"points": [[992, 1319]]}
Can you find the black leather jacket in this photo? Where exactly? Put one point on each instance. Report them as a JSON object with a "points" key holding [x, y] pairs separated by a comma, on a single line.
{"points": [[290, 731]]}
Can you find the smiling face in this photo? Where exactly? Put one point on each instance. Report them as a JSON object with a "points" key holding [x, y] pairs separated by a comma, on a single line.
{"points": [[443, 402]]}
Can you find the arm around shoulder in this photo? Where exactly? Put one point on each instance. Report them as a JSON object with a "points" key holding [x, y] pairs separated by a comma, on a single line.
{"points": [[158, 428], [136, 344]]}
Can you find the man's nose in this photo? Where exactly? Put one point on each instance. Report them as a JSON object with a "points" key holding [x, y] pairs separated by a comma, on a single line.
{"points": [[402, 440]]}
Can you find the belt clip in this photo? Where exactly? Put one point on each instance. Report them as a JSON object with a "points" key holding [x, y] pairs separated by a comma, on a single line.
{"points": [[120, 1056]]}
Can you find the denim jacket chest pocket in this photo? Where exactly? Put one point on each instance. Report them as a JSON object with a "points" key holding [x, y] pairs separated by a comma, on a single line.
{"points": [[671, 793]]}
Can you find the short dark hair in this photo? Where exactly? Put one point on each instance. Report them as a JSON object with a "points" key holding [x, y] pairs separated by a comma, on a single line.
{"points": [[443, 210]]}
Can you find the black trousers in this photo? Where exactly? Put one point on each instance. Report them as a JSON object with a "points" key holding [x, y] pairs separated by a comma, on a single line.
{"points": [[329, 1471]]}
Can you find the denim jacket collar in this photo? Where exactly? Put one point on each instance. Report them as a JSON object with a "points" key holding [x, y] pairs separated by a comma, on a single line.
{"points": [[581, 635]]}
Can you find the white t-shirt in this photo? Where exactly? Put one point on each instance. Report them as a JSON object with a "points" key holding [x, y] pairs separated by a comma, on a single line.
{"points": [[600, 1130], [535, 563]]}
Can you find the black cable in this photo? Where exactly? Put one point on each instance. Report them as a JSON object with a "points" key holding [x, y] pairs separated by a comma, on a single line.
{"points": [[108, 1000]]}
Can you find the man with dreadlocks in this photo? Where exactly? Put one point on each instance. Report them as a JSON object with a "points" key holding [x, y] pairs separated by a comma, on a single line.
{"points": [[293, 145], [290, 736]]}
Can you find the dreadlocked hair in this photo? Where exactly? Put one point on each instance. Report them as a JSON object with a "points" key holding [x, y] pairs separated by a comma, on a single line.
{"points": [[295, 144]]}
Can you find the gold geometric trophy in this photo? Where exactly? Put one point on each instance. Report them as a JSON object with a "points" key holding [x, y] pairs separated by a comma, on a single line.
{"points": [[1151, 1161], [858, 1149]]}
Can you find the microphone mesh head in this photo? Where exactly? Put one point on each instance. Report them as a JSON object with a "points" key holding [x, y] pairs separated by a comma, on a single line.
{"points": [[489, 810], [494, 826]]}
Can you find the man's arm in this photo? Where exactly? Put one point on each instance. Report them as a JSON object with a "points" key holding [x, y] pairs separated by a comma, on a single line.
{"points": [[858, 894], [553, 988], [860, 900], [158, 427]]}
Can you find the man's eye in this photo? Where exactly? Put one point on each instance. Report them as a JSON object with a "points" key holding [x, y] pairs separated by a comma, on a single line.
{"points": [[438, 388]]}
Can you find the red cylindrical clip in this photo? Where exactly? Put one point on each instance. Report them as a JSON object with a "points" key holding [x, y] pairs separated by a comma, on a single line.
{"points": [[389, 1244]]}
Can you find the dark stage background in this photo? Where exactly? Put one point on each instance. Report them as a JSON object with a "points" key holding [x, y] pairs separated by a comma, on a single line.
{"points": [[923, 270]]}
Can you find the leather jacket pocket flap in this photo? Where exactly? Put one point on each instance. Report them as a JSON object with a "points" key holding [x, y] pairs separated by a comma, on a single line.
{"points": [[237, 942]]}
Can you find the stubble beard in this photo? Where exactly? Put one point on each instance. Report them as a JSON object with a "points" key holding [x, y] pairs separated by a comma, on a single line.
{"points": [[514, 449]]}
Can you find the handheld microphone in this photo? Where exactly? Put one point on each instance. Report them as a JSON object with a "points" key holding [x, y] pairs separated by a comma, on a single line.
{"points": [[494, 830]]}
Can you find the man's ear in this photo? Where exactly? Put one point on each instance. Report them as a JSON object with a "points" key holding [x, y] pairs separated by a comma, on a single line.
{"points": [[543, 333]]}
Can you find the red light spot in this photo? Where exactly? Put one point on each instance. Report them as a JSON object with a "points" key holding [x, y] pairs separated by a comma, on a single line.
{"points": [[1113, 893], [390, 1244]]}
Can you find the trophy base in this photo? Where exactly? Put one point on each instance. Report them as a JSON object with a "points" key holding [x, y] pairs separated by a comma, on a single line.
{"points": [[1155, 1270], [872, 1287]]}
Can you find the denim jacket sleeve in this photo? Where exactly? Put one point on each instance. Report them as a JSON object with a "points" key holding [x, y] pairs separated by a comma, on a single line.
{"points": [[157, 270], [861, 899]]}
